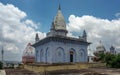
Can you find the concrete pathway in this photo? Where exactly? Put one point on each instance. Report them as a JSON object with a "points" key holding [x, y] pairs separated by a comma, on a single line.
{"points": [[2, 72]]}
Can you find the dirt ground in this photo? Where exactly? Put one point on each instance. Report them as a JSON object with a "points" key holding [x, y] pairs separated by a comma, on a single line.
{"points": [[90, 71], [19, 72], [108, 71]]}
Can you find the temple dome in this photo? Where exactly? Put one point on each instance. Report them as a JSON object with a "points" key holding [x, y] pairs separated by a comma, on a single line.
{"points": [[100, 47]]}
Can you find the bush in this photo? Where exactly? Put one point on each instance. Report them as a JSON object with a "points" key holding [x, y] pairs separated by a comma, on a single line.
{"points": [[111, 60], [115, 63], [1, 65]]}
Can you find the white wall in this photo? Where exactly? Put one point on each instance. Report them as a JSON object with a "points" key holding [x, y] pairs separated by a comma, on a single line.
{"points": [[50, 55]]}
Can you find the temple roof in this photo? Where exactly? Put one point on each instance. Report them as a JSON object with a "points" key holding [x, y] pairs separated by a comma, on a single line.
{"points": [[61, 39]]}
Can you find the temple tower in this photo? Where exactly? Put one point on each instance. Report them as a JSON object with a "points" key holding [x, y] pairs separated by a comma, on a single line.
{"points": [[58, 27]]}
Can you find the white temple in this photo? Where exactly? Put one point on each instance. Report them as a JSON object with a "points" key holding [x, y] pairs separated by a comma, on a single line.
{"points": [[57, 47]]}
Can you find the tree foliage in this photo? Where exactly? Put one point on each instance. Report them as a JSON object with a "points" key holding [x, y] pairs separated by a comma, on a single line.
{"points": [[111, 60], [1, 65]]}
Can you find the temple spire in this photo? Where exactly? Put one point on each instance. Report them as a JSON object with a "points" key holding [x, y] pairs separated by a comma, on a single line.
{"points": [[59, 8], [100, 43], [84, 35], [58, 27]]}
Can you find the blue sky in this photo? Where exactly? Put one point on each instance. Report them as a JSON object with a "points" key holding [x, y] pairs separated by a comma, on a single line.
{"points": [[20, 20], [43, 11]]}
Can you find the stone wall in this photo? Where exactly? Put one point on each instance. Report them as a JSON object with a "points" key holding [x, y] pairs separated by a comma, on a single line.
{"points": [[54, 67]]}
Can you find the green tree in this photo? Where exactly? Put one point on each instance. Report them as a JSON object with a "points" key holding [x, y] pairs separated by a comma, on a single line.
{"points": [[109, 58], [102, 57], [1, 65], [112, 60], [115, 62]]}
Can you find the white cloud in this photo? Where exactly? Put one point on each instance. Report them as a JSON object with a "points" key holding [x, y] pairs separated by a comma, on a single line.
{"points": [[97, 29], [15, 31], [117, 15], [30, 23]]}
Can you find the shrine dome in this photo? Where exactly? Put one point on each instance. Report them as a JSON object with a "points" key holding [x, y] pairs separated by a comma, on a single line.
{"points": [[100, 47]]}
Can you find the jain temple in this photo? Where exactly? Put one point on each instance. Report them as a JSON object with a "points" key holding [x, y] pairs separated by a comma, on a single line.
{"points": [[57, 47]]}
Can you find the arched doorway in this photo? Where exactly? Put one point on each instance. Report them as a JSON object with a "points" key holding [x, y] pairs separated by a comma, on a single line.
{"points": [[72, 55]]}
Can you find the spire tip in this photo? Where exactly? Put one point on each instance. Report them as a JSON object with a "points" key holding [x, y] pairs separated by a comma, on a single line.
{"points": [[59, 8]]}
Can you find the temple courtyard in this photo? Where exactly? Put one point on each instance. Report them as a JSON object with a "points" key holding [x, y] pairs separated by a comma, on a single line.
{"points": [[90, 71]]}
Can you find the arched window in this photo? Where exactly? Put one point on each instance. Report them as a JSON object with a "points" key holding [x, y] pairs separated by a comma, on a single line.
{"points": [[47, 54], [81, 55], [59, 56], [37, 55], [41, 55]]}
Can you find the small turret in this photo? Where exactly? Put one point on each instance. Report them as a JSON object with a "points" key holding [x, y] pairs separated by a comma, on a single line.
{"points": [[84, 36], [52, 26], [112, 50], [36, 37]]}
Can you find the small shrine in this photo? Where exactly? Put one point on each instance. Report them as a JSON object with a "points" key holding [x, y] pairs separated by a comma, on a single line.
{"points": [[28, 54]]}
